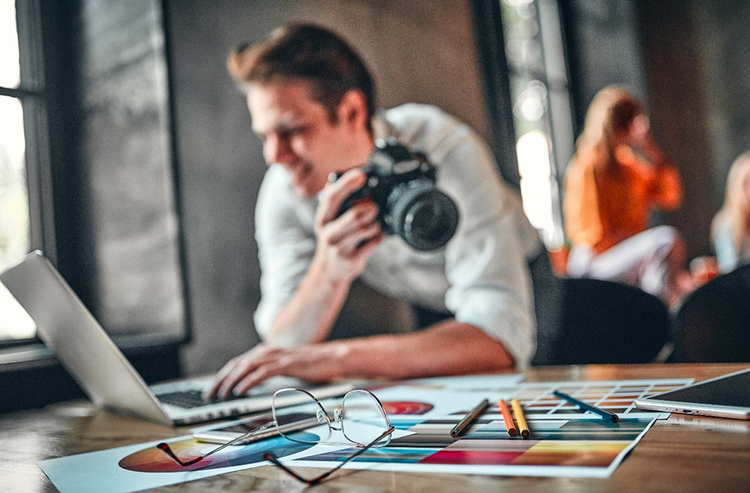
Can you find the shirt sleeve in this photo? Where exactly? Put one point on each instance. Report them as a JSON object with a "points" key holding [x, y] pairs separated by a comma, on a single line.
{"points": [[487, 260], [667, 187], [581, 204], [723, 242], [664, 186], [285, 248]]}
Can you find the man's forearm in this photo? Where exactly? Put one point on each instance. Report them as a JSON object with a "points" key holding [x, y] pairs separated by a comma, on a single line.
{"points": [[447, 348], [309, 316]]}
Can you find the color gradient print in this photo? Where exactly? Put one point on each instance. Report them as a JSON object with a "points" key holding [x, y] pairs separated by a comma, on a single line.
{"points": [[154, 460], [579, 443], [576, 444]]}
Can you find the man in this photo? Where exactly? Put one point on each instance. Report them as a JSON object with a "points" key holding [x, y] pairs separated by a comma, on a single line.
{"points": [[312, 103]]}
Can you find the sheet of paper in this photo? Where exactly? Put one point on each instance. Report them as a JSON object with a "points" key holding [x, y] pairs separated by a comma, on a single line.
{"points": [[584, 448], [143, 466]]}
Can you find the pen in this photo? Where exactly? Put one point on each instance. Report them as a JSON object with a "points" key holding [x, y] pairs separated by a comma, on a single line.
{"points": [[471, 416], [587, 407], [523, 428], [507, 419]]}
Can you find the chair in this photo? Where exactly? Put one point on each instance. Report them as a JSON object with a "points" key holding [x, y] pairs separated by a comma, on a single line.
{"points": [[712, 324], [603, 322]]}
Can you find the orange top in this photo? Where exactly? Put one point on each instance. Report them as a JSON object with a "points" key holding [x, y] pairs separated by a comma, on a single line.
{"points": [[604, 207]]}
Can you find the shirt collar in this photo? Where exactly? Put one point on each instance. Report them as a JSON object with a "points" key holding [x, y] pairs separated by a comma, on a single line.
{"points": [[381, 127]]}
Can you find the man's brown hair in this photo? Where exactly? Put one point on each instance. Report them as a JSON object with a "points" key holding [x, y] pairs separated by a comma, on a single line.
{"points": [[307, 53]]}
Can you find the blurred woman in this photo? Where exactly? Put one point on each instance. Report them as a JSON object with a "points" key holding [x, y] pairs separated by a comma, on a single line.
{"points": [[616, 178], [730, 228]]}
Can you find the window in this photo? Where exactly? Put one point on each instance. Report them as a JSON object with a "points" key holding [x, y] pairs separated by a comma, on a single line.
{"points": [[542, 114], [14, 210], [15, 240]]}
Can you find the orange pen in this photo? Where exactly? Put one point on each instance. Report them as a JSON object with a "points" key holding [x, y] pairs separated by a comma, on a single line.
{"points": [[508, 419]]}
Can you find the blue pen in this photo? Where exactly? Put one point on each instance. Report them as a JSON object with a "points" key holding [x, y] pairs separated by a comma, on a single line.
{"points": [[587, 407]]}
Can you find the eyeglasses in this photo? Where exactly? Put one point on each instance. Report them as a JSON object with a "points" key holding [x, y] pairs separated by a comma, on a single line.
{"points": [[361, 420]]}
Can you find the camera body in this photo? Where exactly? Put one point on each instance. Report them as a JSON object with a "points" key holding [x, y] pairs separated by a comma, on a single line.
{"points": [[402, 185]]}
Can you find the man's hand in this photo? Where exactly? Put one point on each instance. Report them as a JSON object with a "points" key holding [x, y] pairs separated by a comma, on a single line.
{"points": [[347, 241], [314, 363], [344, 244]]}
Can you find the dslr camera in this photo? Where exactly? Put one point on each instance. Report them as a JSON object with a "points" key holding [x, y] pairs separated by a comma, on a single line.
{"points": [[402, 185]]}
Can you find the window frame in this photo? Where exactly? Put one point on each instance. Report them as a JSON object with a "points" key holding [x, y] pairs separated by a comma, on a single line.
{"points": [[497, 73], [30, 93]]}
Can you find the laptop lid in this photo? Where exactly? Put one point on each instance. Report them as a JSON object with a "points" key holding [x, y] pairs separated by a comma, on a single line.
{"points": [[66, 326], [87, 352]]}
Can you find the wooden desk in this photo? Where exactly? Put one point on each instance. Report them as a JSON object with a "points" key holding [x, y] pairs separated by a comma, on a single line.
{"points": [[680, 454]]}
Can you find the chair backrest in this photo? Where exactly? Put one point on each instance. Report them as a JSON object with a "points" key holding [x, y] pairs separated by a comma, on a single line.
{"points": [[712, 324], [604, 322]]}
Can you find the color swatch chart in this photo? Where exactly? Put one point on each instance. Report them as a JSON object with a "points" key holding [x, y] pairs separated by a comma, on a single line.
{"points": [[557, 448], [613, 396]]}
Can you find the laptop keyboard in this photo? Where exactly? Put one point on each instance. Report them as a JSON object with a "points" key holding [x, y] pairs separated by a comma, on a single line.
{"points": [[189, 399]]}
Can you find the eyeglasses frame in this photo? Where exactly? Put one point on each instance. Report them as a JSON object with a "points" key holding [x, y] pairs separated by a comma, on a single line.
{"points": [[339, 416]]}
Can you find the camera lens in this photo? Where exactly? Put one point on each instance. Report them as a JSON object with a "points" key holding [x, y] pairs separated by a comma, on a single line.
{"points": [[425, 217]]}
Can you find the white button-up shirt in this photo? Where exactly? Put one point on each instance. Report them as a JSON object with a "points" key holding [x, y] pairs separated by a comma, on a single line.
{"points": [[481, 276]]}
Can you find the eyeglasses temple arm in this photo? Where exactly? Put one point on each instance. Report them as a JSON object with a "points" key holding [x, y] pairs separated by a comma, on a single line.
{"points": [[270, 457], [241, 437], [164, 447]]}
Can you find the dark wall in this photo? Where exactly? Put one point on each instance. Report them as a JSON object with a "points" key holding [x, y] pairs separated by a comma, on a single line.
{"points": [[602, 47], [725, 53], [678, 91], [697, 63], [421, 51]]}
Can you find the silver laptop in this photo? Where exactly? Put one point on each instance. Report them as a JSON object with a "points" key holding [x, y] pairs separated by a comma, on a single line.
{"points": [[66, 326]]}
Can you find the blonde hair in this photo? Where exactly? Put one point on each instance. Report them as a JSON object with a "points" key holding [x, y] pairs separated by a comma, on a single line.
{"points": [[610, 113], [736, 208]]}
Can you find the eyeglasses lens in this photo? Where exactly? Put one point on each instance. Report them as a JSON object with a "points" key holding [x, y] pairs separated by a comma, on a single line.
{"points": [[363, 419], [304, 423]]}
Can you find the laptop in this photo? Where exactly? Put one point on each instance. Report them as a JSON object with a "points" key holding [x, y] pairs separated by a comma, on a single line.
{"points": [[87, 352], [727, 396]]}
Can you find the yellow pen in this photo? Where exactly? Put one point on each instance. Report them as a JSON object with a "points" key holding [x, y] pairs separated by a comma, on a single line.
{"points": [[520, 418]]}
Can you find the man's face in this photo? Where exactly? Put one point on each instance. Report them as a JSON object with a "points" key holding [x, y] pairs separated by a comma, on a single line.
{"points": [[297, 133]]}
